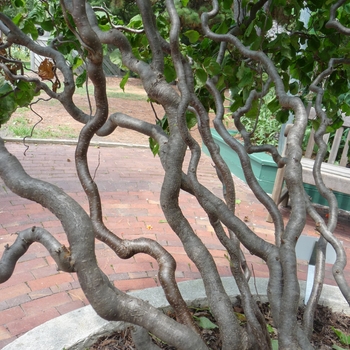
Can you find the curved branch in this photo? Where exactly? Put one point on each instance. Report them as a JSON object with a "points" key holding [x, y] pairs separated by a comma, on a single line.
{"points": [[15, 35], [109, 302], [341, 259], [121, 28], [333, 22], [293, 176], [152, 33], [24, 240]]}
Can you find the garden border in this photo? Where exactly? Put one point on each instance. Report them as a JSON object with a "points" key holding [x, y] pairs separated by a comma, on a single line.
{"points": [[80, 328]]}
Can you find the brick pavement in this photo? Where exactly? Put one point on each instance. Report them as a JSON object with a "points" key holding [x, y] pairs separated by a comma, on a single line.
{"points": [[129, 180]]}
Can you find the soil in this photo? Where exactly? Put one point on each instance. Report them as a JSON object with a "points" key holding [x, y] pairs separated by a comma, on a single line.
{"points": [[323, 337], [56, 120]]}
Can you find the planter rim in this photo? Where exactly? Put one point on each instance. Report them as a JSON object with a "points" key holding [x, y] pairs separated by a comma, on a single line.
{"points": [[262, 157], [70, 331]]}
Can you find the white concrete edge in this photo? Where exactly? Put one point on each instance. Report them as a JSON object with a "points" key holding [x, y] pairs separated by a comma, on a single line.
{"points": [[70, 331], [71, 142]]}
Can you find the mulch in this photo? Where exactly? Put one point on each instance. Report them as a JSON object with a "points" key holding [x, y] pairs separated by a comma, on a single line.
{"points": [[323, 338]]}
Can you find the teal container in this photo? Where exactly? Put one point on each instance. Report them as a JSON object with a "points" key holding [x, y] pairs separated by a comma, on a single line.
{"points": [[343, 199], [265, 169]]}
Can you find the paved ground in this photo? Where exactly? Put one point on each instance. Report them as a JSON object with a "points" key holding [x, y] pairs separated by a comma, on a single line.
{"points": [[129, 180]]}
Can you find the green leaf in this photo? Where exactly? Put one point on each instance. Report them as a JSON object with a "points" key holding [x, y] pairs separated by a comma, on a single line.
{"points": [[169, 73], [116, 57], [30, 28], [81, 79], [202, 76], [245, 76], [254, 110], [19, 3], [227, 4], [270, 329], [282, 115], [273, 105], [153, 145], [6, 88], [184, 2], [205, 323], [343, 338], [136, 22], [274, 343], [17, 19], [124, 80], [294, 88], [191, 120], [211, 66], [7, 107], [222, 29], [47, 25], [336, 347], [192, 35], [77, 62]]}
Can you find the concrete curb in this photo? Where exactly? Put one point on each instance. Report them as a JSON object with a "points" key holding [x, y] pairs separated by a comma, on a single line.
{"points": [[70, 331], [72, 142]]}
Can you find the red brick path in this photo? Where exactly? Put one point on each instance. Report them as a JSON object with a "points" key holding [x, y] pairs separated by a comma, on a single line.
{"points": [[129, 180]]}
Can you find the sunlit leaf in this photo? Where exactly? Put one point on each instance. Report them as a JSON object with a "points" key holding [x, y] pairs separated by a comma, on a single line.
{"points": [[343, 338], [205, 323], [192, 35], [124, 80]]}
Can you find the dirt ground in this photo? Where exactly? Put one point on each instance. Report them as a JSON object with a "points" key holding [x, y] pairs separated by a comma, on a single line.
{"points": [[56, 120]]}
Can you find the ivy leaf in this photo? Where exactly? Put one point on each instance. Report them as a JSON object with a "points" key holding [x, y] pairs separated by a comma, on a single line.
{"points": [[192, 35], [205, 323]]}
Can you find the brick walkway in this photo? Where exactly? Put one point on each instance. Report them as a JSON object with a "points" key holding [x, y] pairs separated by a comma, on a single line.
{"points": [[129, 180]]}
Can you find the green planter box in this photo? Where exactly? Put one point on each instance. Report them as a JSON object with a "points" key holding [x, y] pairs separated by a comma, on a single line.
{"points": [[263, 166], [264, 169], [343, 199]]}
